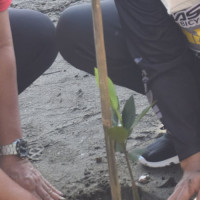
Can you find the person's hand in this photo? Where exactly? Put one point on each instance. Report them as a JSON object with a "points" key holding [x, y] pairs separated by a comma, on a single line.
{"points": [[23, 172], [189, 185], [11, 190]]}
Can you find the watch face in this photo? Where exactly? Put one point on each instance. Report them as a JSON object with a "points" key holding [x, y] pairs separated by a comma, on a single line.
{"points": [[22, 148]]}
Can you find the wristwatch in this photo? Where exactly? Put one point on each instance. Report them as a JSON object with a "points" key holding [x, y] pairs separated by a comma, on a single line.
{"points": [[19, 147]]}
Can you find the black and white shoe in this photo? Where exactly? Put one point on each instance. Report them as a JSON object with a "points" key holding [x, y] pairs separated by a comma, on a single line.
{"points": [[160, 154]]}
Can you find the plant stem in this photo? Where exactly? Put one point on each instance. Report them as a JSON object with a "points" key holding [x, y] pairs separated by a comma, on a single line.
{"points": [[114, 182], [105, 98], [136, 195]]}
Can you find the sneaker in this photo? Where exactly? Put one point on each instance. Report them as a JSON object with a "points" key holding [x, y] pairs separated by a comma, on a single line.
{"points": [[160, 154]]}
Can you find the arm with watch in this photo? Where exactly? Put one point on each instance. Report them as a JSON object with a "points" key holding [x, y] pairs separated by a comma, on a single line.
{"points": [[16, 171], [10, 126]]}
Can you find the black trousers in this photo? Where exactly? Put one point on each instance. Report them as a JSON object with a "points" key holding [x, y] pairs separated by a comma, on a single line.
{"points": [[141, 38], [34, 43], [76, 44]]}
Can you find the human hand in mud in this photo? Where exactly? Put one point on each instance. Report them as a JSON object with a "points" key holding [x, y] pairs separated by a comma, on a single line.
{"points": [[23, 172], [11, 190], [189, 185]]}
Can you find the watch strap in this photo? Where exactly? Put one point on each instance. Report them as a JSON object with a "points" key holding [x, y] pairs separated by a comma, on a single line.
{"points": [[9, 149]]}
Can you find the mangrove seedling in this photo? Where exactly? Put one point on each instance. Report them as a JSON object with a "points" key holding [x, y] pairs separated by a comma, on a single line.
{"points": [[123, 125]]}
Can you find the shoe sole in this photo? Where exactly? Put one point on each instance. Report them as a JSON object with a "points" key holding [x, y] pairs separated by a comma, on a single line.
{"points": [[164, 163]]}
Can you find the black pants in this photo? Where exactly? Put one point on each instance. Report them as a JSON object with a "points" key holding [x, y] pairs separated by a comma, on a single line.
{"points": [[145, 34], [34, 43], [76, 44]]}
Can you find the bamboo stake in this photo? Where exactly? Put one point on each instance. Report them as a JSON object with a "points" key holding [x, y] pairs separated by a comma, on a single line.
{"points": [[105, 100]]}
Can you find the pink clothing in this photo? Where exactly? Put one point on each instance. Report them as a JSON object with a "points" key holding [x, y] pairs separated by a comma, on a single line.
{"points": [[4, 4]]}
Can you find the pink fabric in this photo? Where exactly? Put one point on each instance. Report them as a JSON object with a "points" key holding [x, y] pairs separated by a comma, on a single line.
{"points": [[4, 4]]}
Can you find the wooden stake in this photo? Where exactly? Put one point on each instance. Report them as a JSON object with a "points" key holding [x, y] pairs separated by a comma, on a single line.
{"points": [[105, 100]]}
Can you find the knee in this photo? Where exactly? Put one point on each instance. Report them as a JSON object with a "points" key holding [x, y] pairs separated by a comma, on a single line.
{"points": [[36, 29], [46, 38], [65, 31], [45, 34], [71, 30]]}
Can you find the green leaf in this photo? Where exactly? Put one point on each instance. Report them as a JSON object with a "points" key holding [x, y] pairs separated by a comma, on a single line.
{"points": [[115, 119], [96, 73], [119, 134], [139, 117], [128, 113], [113, 96]]}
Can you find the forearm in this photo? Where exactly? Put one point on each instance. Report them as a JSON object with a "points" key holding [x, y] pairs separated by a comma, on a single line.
{"points": [[190, 182], [191, 163], [11, 190], [9, 111]]}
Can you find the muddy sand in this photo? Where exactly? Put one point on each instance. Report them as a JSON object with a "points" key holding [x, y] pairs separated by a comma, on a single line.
{"points": [[60, 114]]}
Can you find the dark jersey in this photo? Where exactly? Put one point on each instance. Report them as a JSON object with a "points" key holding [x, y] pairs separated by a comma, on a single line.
{"points": [[170, 69]]}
